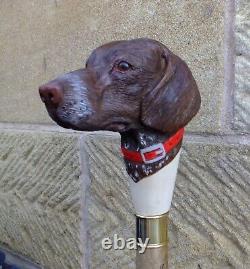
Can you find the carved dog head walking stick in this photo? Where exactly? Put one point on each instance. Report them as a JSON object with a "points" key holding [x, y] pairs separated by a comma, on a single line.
{"points": [[142, 90]]}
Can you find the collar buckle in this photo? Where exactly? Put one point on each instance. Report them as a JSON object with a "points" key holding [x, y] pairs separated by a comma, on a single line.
{"points": [[158, 150]]}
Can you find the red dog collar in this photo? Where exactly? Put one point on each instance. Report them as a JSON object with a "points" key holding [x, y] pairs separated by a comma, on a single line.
{"points": [[155, 152]]}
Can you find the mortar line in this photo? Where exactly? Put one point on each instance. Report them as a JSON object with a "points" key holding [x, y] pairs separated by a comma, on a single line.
{"points": [[85, 181], [207, 138], [217, 139], [192, 137], [227, 110], [34, 127]]}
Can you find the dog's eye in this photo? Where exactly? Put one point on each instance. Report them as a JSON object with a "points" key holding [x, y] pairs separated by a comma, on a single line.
{"points": [[123, 66]]}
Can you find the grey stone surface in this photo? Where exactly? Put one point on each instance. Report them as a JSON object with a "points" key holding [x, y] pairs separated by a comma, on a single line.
{"points": [[108, 204], [41, 39], [210, 213], [209, 220], [40, 193], [242, 67]]}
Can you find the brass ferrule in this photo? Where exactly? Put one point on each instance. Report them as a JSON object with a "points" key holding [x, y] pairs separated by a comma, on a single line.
{"points": [[155, 228]]}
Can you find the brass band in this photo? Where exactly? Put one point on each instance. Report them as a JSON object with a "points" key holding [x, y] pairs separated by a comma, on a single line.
{"points": [[155, 228]]}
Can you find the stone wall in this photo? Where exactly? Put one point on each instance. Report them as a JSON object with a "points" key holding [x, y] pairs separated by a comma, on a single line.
{"points": [[62, 191]]}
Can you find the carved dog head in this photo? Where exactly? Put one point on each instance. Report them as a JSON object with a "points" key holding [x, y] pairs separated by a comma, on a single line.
{"points": [[136, 87], [125, 85]]}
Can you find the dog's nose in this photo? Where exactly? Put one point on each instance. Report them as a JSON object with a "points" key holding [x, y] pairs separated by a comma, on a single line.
{"points": [[51, 93]]}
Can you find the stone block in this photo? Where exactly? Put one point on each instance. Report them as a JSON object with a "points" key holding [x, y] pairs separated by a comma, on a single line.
{"points": [[210, 212], [108, 203], [40, 40], [209, 220], [242, 67], [40, 194]]}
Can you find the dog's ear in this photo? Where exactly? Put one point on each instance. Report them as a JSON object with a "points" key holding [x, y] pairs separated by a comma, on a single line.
{"points": [[175, 100]]}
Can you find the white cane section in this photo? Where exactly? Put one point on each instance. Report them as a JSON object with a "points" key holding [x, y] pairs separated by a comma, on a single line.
{"points": [[153, 194]]}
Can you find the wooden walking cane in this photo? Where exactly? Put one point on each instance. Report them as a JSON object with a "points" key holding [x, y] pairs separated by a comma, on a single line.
{"points": [[152, 198], [142, 90]]}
